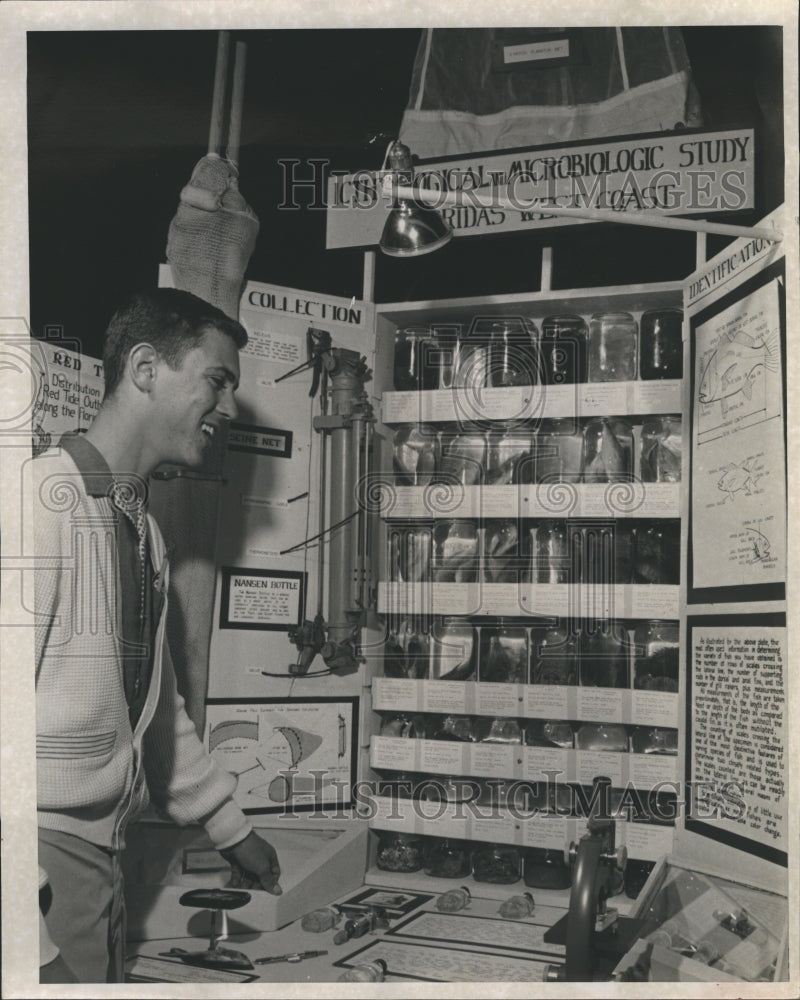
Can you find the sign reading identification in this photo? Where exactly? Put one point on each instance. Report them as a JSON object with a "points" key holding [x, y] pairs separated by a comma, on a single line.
{"points": [[268, 599], [260, 440]]}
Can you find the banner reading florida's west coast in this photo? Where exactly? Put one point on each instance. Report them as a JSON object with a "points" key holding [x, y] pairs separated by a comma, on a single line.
{"points": [[681, 173]]}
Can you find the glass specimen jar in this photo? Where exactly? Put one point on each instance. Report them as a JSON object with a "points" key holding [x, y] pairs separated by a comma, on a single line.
{"points": [[656, 656], [453, 651], [545, 868], [612, 348], [463, 457], [428, 358], [412, 359], [654, 739], [607, 451], [472, 373], [498, 730], [562, 349], [399, 852], [657, 552], [456, 728], [406, 652], [416, 454], [409, 726], [501, 547], [550, 556], [456, 554], [503, 655], [447, 858], [512, 353], [509, 460], [558, 451], [604, 656], [600, 736], [604, 552], [444, 354], [497, 864], [409, 554], [554, 656], [661, 449], [549, 733], [661, 344]]}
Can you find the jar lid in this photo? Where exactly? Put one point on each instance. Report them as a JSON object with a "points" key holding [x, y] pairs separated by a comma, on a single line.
{"points": [[614, 317], [666, 311], [413, 331], [563, 319]]}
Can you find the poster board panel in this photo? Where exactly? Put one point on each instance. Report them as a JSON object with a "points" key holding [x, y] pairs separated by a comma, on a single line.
{"points": [[737, 416], [736, 732]]}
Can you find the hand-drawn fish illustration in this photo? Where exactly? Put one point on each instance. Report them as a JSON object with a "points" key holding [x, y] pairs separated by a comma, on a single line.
{"points": [[736, 364], [761, 546], [737, 477]]}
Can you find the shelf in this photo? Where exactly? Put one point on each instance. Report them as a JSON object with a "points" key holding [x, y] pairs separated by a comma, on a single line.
{"points": [[532, 403], [477, 603], [544, 500], [521, 763], [536, 305], [527, 701], [528, 600], [644, 841]]}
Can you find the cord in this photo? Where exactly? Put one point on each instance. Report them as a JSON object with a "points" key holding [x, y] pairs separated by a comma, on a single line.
{"points": [[314, 673], [321, 534]]}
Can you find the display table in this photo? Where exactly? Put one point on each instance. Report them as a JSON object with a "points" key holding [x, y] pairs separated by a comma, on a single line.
{"points": [[507, 946]]}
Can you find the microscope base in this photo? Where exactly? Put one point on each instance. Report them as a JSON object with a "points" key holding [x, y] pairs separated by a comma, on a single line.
{"points": [[609, 945]]}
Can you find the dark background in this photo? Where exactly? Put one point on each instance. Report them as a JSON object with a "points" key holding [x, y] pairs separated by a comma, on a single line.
{"points": [[117, 121]]}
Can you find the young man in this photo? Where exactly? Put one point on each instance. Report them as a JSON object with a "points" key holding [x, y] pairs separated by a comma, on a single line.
{"points": [[112, 731]]}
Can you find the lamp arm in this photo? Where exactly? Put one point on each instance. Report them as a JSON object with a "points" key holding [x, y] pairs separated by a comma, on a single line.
{"points": [[438, 199]]}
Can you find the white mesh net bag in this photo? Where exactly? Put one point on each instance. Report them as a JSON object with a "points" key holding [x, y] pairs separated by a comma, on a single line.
{"points": [[213, 235]]}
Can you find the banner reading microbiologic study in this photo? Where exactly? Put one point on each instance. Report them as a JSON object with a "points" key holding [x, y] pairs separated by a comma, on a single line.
{"points": [[681, 173]]}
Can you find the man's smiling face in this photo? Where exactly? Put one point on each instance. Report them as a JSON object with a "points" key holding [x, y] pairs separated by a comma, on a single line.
{"points": [[194, 400]]}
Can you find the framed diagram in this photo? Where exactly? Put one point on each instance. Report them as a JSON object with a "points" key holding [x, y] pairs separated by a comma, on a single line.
{"points": [[288, 754], [737, 495]]}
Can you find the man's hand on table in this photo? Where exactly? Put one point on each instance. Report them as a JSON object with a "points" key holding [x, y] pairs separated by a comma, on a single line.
{"points": [[254, 865]]}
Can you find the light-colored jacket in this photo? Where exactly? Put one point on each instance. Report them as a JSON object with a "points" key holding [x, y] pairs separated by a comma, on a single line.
{"points": [[94, 774]]}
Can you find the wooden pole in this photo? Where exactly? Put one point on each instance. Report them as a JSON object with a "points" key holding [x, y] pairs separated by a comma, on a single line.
{"points": [[220, 87], [437, 199], [237, 103]]}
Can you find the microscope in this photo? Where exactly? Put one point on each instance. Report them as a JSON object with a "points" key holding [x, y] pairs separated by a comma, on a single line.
{"points": [[594, 934]]}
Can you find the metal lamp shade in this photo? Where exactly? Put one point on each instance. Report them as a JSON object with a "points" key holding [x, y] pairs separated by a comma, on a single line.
{"points": [[412, 230]]}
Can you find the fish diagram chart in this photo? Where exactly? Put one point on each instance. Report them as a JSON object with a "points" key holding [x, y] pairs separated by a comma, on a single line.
{"points": [[738, 491], [298, 755], [739, 371]]}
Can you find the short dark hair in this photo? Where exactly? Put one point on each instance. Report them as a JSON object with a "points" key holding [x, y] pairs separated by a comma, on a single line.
{"points": [[171, 320]]}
